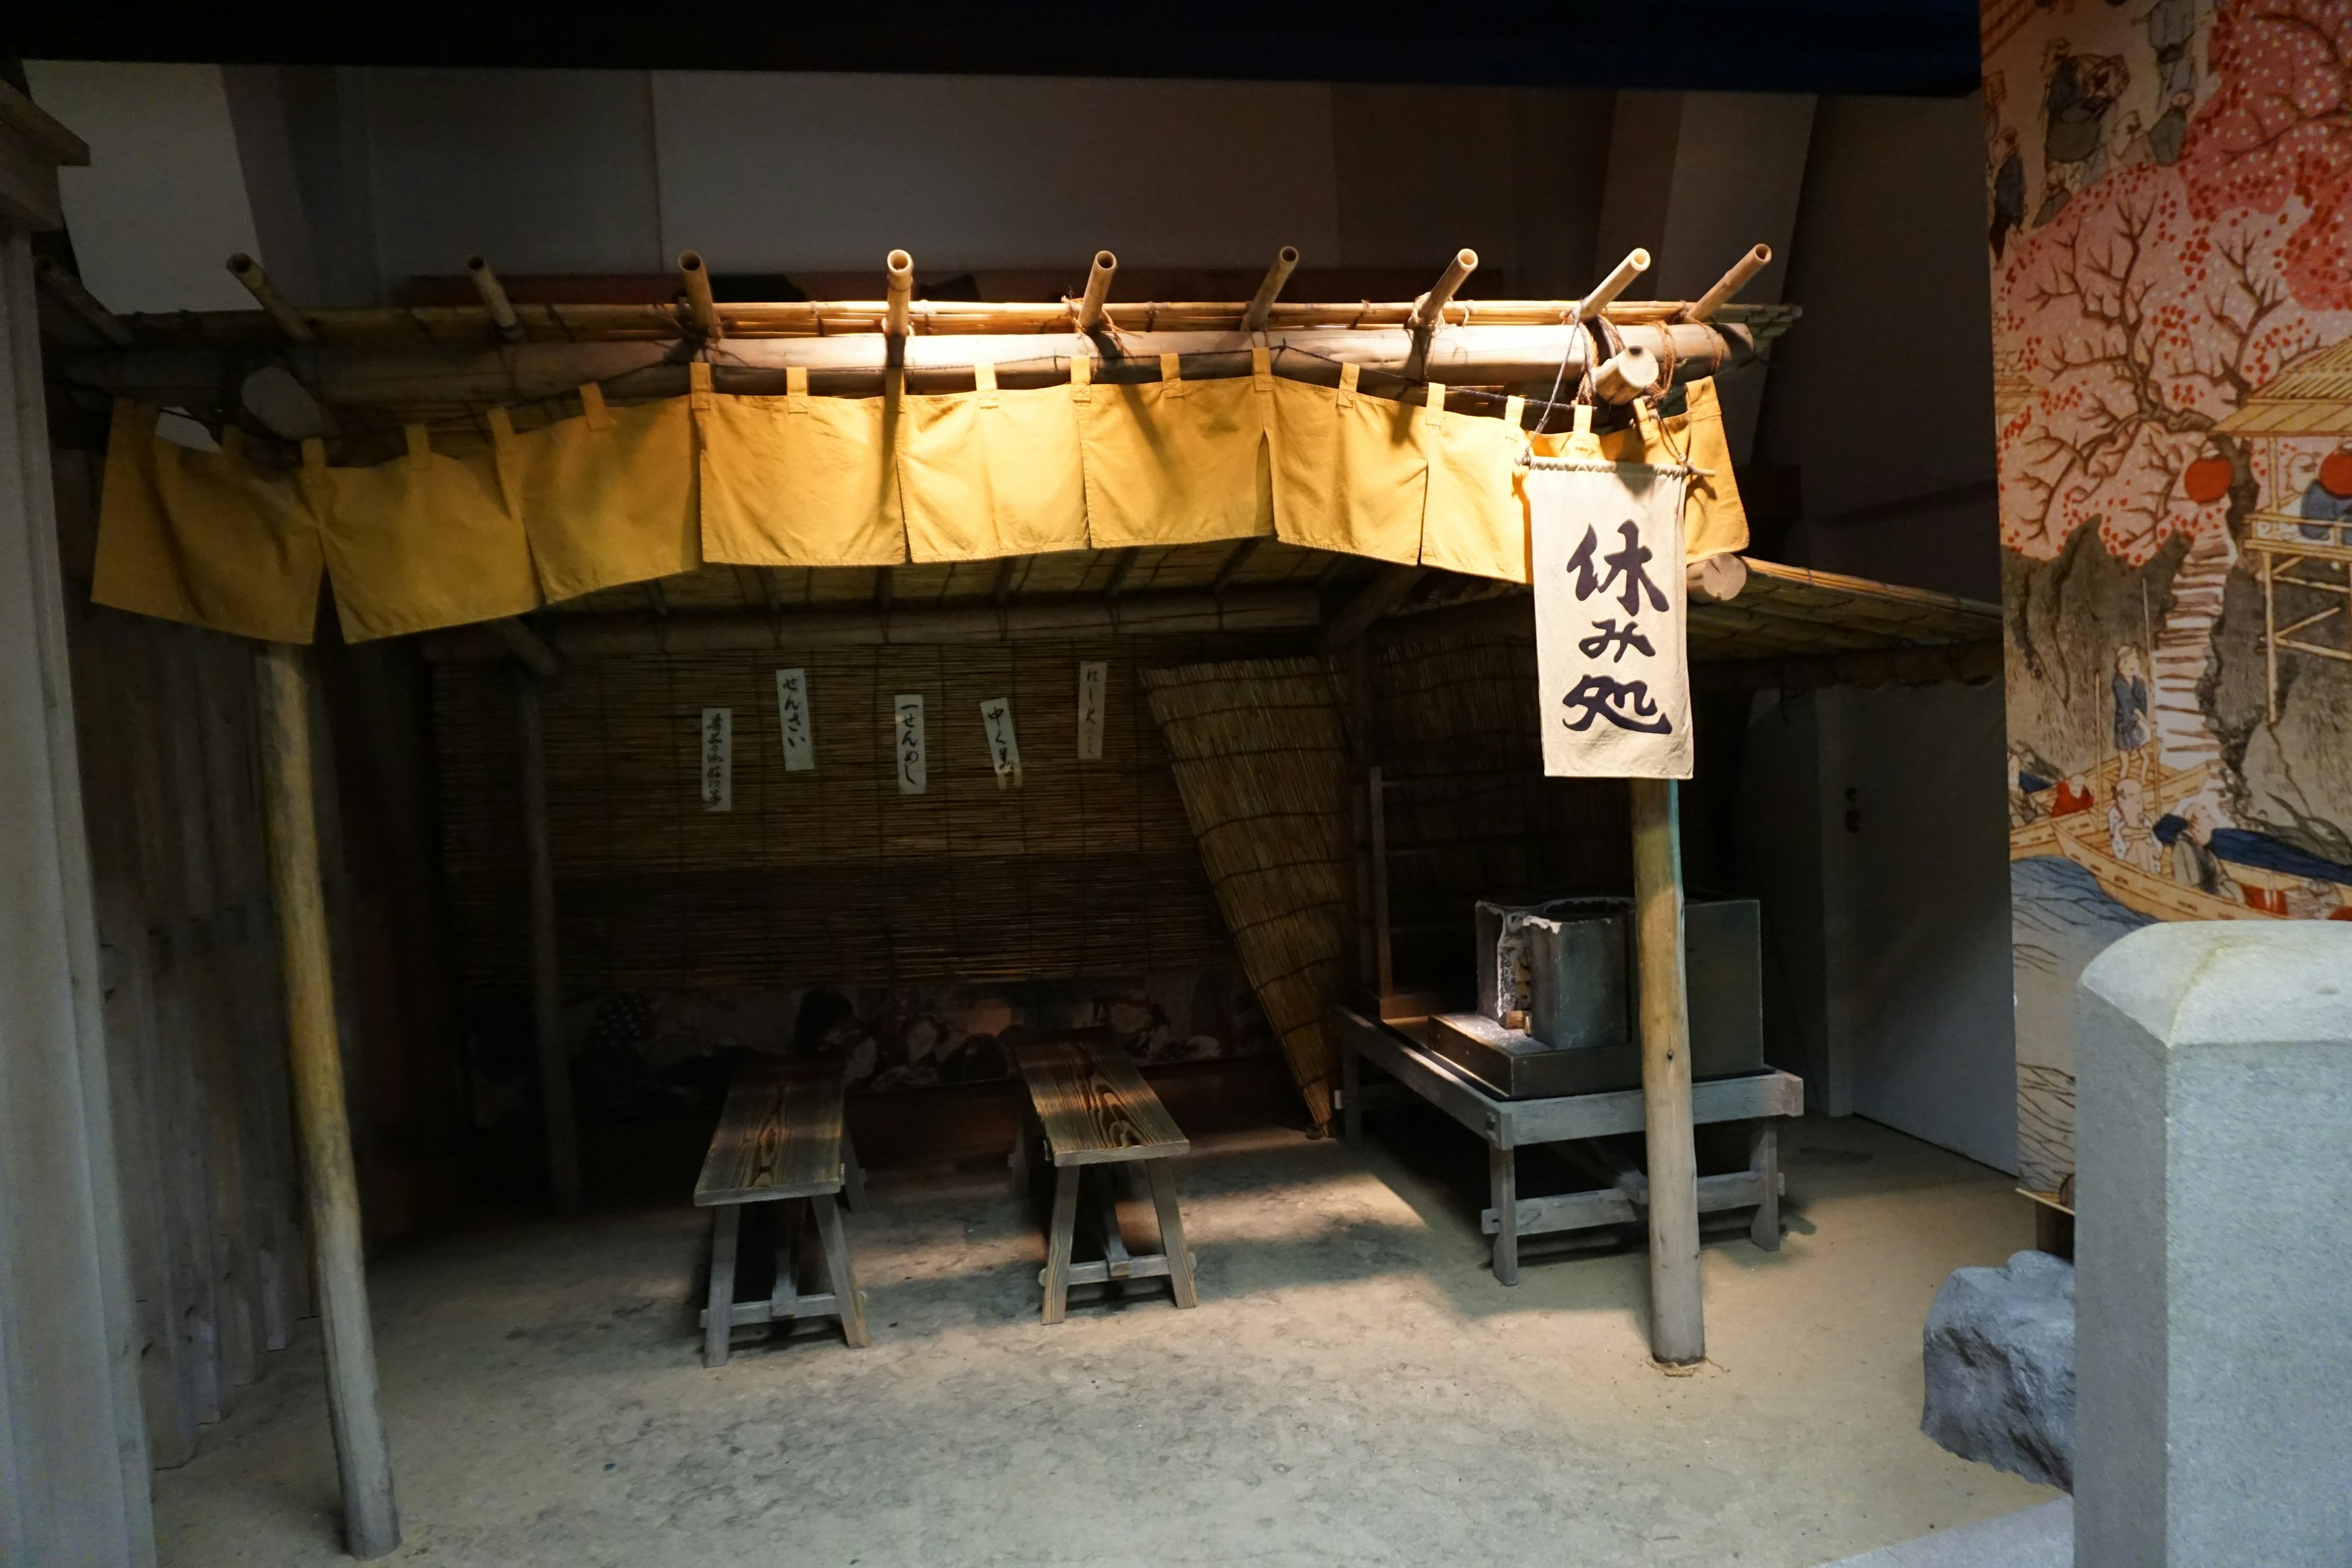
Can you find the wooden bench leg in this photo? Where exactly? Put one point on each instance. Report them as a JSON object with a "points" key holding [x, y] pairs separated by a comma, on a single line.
{"points": [[1351, 1096], [1502, 1173], [1057, 1240], [846, 1301], [853, 1175], [1764, 1159], [1171, 1231], [1116, 1261], [718, 1321], [783, 1302]]}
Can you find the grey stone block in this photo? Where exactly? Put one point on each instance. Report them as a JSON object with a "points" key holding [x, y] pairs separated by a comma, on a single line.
{"points": [[2214, 1226], [2000, 1354]]}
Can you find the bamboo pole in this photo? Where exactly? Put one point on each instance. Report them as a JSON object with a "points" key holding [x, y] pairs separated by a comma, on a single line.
{"points": [[898, 283], [1677, 1311], [1090, 307], [697, 277], [80, 303], [281, 310], [854, 363], [494, 298], [1430, 309], [1636, 262], [546, 983], [329, 1182], [1261, 304], [1626, 375], [1730, 283]]}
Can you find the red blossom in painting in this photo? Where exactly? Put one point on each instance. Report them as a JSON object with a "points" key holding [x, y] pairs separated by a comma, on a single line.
{"points": [[2276, 136], [2140, 325]]}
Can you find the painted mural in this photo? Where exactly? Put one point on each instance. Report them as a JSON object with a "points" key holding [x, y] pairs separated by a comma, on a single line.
{"points": [[2170, 240]]}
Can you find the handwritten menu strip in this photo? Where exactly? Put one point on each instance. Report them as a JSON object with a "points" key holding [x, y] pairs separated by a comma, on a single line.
{"points": [[1004, 749], [1094, 684], [793, 721], [718, 759], [906, 740]]}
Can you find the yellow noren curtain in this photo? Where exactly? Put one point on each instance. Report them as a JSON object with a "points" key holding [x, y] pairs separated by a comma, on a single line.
{"points": [[204, 537], [1349, 471], [990, 472], [799, 480], [1177, 461], [1713, 520], [1476, 521], [606, 499], [420, 542]]}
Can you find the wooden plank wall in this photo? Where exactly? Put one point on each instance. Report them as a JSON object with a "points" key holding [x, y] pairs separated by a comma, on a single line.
{"points": [[195, 1021]]}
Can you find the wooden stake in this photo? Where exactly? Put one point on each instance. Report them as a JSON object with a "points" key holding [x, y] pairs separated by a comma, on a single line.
{"points": [[546, 980], [1730, 283], [330, 1184], [1261, 304], [697, 295], [288, 320], [1090, 308], [494, 298], [899, 280], [1636, 262], [1677, 1311]]}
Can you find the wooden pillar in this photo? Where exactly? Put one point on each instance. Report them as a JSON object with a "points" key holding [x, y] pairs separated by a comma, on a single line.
{"points": [[1677, 1313], [546, 979], [331, 1183]]}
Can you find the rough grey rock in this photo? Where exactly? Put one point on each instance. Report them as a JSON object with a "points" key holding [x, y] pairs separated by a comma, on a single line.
{"points": [[1999, 1351]]}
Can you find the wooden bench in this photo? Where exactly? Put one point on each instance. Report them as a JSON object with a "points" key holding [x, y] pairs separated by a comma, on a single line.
{"points": [[1092, 1107], [780, 1139]]}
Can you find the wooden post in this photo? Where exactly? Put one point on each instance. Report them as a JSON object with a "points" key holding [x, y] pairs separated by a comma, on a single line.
{"points": [[1677, 1313], [331, 1183], [546, 982]]}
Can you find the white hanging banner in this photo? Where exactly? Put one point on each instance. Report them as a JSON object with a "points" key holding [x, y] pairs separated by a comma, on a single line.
{"points": [[1004, 749], [906, 739], [718, 759], [793, 721], [1612, 659], [1094, 684]]}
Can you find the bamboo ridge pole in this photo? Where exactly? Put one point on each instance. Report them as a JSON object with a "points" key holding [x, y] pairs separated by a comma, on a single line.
{"points": [[1261, 304], [1677, 1310], [697, 278], [853, 364], [494, 297], [546, 982], [281, 310], [330, 1184], [1730, 283]]}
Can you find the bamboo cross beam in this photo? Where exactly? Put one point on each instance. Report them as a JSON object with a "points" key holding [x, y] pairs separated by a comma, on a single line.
{"points": [[1090, 307], [697, 277], [494, 297], [1636, 262], [1430, 309], [1730, 283], [280, 310], [899, 269], [1261, 304]]}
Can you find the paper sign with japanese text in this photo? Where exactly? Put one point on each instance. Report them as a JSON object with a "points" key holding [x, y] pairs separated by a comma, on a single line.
{"points": [[1094, 686], [1004, 749], [717, 766], [907, 743], [793, 721], [1613, 664]]}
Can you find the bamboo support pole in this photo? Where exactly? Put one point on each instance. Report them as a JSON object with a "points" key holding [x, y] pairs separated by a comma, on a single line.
{"points": [[1090, 306], [1730, 283], [494, 298], [898, 284], [1677, 1311], [1626, 375], [80, 303], [1636, 262], [697, 277], [396, 379], [329, 1182], [1430, 309], [1269, 290], [546, 980], [280, 310]]}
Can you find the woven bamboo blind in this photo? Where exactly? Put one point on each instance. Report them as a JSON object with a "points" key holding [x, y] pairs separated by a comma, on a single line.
{"points": [[828, 875]]}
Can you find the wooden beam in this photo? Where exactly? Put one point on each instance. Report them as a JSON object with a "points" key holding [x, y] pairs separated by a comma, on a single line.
{"points": [[580, 636], [1235, 562], [1677, 1309], [562, 1128], [331, 1183], [1121, 570], [1006, 574], [526, 646], [1383, 594], [885, 588], [656, 600]]}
